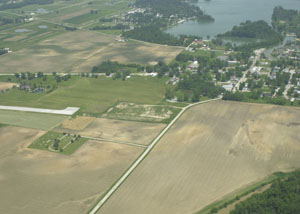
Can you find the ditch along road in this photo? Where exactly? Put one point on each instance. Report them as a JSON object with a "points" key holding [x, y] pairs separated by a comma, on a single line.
{"points": [[143, 155]]}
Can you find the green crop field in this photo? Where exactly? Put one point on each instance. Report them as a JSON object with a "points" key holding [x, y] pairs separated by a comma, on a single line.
{"points": [[30, 120], [92, 95], [67, 145]]}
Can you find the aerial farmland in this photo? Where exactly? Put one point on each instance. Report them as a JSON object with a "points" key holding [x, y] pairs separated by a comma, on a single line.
{"points": [[146, 107], [204, 157]]}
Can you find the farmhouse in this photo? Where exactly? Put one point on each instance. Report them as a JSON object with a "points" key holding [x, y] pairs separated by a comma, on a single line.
{"points": [[194, 65]]}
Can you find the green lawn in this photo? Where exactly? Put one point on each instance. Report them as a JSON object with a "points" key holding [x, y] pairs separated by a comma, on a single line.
{"points": [[31, 120], [92, 95], [66, 145]]}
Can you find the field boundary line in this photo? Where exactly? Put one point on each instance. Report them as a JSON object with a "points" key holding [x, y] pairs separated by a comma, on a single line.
{"points": [[142, 156], [115, 141]]}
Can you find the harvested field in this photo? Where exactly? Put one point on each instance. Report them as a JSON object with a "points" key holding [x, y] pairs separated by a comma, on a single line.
{"points": [[212, 150], [31, 120], [34, 181], [127, 131], [81, 50], [77, 123], [6, 85]]}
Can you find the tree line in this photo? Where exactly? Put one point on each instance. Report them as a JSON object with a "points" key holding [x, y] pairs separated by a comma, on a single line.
{"points": [[283, 197]]}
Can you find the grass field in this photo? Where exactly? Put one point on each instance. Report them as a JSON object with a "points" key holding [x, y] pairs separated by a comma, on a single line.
{"points": [[31, 120], [34, 181], [68, 144], [78, 52], [212, 150], [118, 130], [92, 95]]}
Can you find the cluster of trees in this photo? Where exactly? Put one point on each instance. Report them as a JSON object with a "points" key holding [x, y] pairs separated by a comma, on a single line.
{"points": [[32, 82], [20, 4], [178, 8], [160, 14], [284, 20], [283, 197], [6, 21], [3, 51], [197, 85], [259, 30], [154, 34], [70, 28], [284, 63]]}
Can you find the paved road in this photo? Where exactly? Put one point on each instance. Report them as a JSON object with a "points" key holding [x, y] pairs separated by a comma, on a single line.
{"points": [[289, 85], [141, 158], [244, 78], [66, 111]]}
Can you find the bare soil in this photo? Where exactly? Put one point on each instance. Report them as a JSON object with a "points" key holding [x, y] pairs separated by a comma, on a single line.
{"points": [[6, 85], [211, 151], [77, 123], [81, 50], [35, 182], [120, 130]]}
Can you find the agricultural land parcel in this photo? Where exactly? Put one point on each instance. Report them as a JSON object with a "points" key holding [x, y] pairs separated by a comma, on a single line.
{"points": [[212, 150], [79, 51], [34, 181], [118, 130], [91, 95], [31, 120]]}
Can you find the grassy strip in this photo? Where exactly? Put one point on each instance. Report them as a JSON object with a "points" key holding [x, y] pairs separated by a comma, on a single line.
{"points": [[2, 125], [235, 196]]}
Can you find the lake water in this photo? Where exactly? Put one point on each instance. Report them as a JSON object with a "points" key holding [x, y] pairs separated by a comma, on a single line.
{"points": [[228, 13]]}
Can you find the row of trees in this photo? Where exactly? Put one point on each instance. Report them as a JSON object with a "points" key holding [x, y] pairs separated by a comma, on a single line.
{"points": [[115, 27], [254, 95], [111, 67]]}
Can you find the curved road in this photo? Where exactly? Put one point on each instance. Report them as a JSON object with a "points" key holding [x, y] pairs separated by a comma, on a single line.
{"points": [[140, 159]]}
